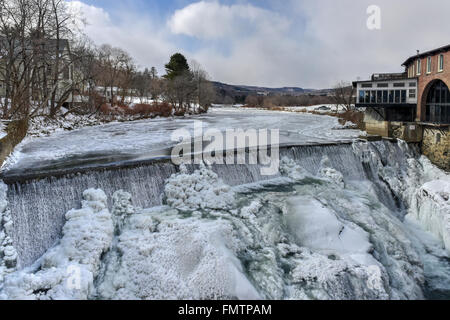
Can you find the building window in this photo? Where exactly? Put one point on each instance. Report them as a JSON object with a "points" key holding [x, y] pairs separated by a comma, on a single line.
{"points": [[399, 85], [385, 96], [438, 103], [391, 96], [379, 96], [367, 100], [412, 93], [383, 85], [366, 85], [419, 66], [397, 96], [362, 95], [403, 96], [441, 63], [373, 96], [429, 65], [412, 84]]}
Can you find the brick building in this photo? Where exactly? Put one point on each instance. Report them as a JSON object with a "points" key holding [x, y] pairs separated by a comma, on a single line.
{"points": [[432, 71], [414, 105], [419, 94]]}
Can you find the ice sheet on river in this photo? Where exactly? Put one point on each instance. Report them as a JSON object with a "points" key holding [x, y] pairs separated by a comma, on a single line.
{"points": [[137, 140]]}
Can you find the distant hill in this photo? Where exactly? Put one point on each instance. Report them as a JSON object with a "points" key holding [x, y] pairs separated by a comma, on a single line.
{"points": [[227, 93]]}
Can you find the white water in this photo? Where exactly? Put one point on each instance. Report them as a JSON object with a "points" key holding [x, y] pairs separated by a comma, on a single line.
{"points": [[332, 226]]}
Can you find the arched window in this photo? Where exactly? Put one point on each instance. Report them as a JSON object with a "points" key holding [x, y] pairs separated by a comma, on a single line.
{"points": [[438, 103]]}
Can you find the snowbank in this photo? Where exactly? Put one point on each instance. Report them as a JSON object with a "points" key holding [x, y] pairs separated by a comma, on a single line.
{"points": [[68, 270]]}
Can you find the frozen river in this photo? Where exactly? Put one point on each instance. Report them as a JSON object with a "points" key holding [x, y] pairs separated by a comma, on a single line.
{"points": [[353, 220], [148, 139]]}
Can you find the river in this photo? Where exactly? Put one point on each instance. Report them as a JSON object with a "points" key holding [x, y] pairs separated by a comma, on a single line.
{"points": [[342, 220]]}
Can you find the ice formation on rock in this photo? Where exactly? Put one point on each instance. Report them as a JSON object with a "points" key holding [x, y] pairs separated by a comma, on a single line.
{"points": [[327, 171], [8, 255], [201, 190], [68, 270], [160, 255], [431, 207]]}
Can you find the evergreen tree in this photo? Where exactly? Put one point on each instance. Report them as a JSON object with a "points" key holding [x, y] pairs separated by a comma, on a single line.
{"points": [[177, 66]]}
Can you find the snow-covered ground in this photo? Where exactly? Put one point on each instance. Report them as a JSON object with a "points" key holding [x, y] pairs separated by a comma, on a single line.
{"points": [[320, 108], [2, 130], [152, 138]]}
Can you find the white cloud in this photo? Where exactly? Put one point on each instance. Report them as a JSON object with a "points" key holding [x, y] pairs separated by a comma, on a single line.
{"points": [[293, 43], [147, 43], [211, 20]]}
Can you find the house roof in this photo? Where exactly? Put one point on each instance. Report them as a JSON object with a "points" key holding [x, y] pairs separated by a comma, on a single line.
{"points": [[48, 44], [427, 53]]}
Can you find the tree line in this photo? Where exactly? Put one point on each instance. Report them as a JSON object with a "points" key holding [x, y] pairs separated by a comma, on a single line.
{"points": [[342, 96], [47, 65]]}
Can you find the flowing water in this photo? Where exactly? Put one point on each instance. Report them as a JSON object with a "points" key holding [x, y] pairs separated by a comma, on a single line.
{"points": [[352, 197]]}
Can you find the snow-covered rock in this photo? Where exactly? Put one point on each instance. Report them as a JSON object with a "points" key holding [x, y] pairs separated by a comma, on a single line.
{"points": [[200, 190], [327, 172], [293, 170], [8, 254], [122, 209]]}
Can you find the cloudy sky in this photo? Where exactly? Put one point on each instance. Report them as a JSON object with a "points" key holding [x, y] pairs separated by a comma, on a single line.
{"points": [[304, 43]]}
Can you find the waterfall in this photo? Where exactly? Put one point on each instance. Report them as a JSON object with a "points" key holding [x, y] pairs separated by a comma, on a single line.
{"points": [[38, 207]]}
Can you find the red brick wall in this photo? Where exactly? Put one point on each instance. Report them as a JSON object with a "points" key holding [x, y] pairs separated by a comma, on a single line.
{"points": [[425, 80]]}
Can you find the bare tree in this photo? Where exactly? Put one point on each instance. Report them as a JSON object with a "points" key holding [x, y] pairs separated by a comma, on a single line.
{"points": [[204, 90], [157, 87], [113, 61], [35, 60], [16, 22], [179, 92], [344, 95]]}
